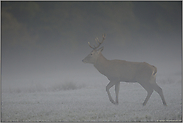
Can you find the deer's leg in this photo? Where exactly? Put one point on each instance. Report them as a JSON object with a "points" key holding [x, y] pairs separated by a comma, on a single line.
{"points": [[160, 92], [117, 85], [149, 90], [107, 89]]}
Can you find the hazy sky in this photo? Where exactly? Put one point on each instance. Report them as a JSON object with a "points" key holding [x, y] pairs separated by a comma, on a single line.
{"points": [[51, 37]]}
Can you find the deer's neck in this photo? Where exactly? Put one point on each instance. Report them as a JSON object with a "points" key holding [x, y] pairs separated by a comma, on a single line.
{"points": [[101, 64]]}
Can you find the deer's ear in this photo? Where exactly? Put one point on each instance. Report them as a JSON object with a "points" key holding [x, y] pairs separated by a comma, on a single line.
{"points": [[100, 50]]}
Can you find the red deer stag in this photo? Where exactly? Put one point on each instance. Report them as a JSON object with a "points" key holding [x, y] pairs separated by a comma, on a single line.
{"points": [[125, 71]]}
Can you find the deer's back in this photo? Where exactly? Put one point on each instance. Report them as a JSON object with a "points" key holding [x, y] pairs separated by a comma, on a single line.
{"points": [[128, 71]]}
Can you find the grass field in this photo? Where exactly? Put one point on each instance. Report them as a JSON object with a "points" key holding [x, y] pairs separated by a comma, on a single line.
{"points": [[82, 101]]}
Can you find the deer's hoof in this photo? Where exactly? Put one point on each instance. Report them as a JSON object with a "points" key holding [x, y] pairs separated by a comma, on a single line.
{"points": [[112, 101], [144, 104]]}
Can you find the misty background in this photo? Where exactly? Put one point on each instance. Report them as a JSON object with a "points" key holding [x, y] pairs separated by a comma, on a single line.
{"points": [[45, 42]]}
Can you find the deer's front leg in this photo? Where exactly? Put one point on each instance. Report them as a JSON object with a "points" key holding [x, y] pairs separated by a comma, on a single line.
{"points": [[108, 92], [117, 91]]}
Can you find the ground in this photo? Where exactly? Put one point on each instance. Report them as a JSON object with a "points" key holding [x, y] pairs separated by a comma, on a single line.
{"points": [[90, 103]]}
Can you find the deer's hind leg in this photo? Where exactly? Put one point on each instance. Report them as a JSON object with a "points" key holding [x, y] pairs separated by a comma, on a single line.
{"points": [[149, 90], [157, 89], [160, 92]]}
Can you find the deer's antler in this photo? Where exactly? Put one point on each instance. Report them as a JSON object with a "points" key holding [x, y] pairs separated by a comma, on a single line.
{"points": [[97, 42]]}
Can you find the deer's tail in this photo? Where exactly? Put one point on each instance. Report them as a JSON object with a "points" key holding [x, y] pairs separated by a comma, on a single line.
{"points": [[155, 70]]}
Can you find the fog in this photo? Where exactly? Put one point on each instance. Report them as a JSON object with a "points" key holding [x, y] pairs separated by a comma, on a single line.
{"points": [[44, 43]]}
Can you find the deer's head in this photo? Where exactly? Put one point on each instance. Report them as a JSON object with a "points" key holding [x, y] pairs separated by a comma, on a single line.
{"points": [[95, 53]]}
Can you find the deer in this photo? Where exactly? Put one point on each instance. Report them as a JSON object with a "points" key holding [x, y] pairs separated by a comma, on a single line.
{"points": [[124, 71]]}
